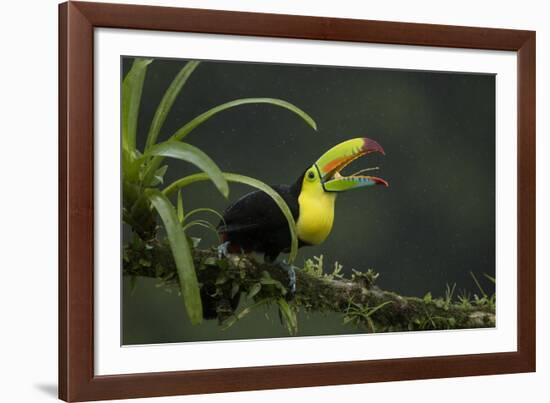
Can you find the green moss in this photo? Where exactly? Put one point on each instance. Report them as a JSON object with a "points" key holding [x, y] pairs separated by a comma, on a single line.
{"points": [[257, 285]]}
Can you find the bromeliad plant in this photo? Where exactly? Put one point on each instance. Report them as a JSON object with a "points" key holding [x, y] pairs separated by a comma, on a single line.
{"points": [[143, 172]]}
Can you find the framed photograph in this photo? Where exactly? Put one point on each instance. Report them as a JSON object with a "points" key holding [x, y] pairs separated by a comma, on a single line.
{"points": [[255, 201]]}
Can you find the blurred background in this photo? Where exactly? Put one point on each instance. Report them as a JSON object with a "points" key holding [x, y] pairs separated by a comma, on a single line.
{"points": [[433, 226]]}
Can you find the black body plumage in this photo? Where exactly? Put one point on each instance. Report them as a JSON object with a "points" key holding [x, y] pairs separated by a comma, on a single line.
{"points": [[255, 223]]}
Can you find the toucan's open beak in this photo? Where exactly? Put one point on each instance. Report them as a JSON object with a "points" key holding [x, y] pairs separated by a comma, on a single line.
{"points": [[338, 157]]}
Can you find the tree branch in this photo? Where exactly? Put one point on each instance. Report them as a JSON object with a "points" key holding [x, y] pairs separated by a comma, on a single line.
{"points": [[357, 297]]}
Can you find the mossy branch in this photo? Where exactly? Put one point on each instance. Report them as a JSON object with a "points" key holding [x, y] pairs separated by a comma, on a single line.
{"points": [[224, 281]]}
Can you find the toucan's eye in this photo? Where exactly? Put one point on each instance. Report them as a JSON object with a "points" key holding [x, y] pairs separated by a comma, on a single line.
{"points": [[311, 175]]}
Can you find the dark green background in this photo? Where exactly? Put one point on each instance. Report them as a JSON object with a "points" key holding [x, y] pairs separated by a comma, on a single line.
{"points": [[431, 227]]}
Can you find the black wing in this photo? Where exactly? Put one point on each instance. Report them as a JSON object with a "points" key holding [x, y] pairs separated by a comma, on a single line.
{"points": [[258, 211]]}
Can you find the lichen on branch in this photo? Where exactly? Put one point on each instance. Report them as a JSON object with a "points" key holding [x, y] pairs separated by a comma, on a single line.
{"points": [[362, 303]]}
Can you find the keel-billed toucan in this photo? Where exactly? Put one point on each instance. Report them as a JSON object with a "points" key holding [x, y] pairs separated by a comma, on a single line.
{"points": [[254, 223]]}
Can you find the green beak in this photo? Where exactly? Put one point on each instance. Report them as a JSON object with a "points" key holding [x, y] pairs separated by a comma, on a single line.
{"points": [[338, 157]]}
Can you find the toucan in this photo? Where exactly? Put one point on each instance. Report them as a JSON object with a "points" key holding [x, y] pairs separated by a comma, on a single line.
{"points": [[254, 223]]}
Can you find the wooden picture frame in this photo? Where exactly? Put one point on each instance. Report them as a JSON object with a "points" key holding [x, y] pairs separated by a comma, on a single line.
{"points": [[77, 21]]}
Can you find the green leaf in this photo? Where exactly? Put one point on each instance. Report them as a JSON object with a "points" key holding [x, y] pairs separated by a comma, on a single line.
{"points": [[490, 278], [158, 178], [205, 210], [270, 281], [144, 262], [201, 223], [234, 318], [266, 279], [478, 284], [255, 289], [187, 128], [174, 186], [181, 251], [180, 208], [289, 315], [196, 241], [222, 279], [167, 102], [373, 310], [198, 221], [132, 87], [193, 155]]}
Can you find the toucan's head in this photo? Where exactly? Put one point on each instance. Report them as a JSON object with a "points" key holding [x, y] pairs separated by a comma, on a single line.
{"points": [[326, 171], [317, 188]]}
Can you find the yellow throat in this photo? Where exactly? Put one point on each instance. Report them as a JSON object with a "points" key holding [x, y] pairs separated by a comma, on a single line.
{"points": [[316, 213]]}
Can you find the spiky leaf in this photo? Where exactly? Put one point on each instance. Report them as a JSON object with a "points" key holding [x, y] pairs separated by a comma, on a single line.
{"points": [[167, 101], [181, 251], [187, 128], [193, 155]]}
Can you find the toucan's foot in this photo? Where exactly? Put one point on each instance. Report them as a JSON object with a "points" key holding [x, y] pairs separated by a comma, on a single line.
{"points": [[291, 271], [223, 250]]}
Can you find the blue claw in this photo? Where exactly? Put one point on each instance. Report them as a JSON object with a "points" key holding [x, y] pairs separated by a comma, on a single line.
{"points": [[222, 250], [290, 269]]}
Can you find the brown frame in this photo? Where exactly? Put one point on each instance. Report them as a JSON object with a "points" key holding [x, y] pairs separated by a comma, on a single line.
{"points": [[77, 21]]}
